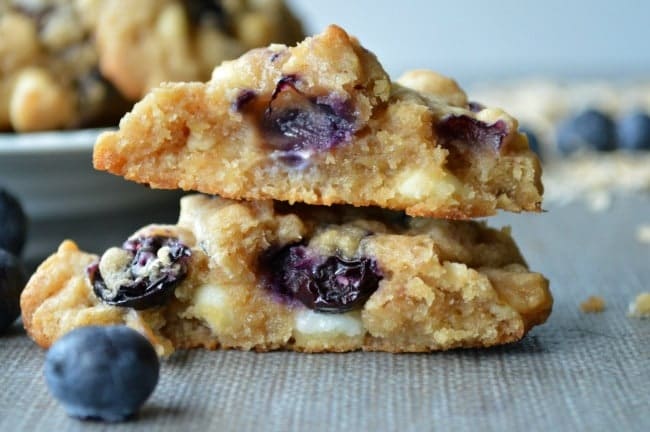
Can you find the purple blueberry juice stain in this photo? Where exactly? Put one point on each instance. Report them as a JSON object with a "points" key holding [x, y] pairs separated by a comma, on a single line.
{"points": [[149, 280], [322, 283]]}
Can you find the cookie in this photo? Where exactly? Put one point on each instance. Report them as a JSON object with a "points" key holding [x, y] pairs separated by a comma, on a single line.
{"points": [[182, 40], [265, 275], [80, 63], [322, 123], [49, 75]]}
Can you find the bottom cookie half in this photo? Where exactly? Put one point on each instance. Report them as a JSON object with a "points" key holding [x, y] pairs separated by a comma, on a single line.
{"points": [[267, 276]]}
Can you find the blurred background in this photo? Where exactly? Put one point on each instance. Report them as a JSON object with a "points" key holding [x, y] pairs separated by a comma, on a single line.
{"points": [[475, 40]]}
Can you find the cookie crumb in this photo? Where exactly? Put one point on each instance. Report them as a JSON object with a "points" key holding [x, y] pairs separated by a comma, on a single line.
{"points": [[594, 304], [643, 233], [640, 307]]}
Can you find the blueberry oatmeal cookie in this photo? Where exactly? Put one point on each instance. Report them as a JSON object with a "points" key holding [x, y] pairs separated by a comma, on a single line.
{"points": [[49, 76], [182, 40], [322, 123], [264, 276]]}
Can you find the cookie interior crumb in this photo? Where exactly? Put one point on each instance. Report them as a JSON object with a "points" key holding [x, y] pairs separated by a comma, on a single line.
{"points": [[640, 307], [594, 304]]}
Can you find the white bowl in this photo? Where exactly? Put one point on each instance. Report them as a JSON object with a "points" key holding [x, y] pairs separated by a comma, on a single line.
{"points": [[64, 197]]}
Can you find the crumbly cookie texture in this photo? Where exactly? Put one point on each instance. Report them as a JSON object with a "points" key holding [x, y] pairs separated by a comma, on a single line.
{"points": [[265, 276], [322, 123], [62, 58], [49, 76]]}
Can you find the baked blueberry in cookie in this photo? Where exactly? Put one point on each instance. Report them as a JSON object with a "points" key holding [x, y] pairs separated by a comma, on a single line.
{"points": [[323, 283], [141, 274], [296, 126]]}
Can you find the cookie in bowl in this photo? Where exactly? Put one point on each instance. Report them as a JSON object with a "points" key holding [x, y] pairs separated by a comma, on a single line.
{"points": [[182, 40], [49, 75], [77, 63]]}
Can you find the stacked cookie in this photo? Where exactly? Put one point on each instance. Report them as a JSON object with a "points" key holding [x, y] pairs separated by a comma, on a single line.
{"points": [[337, 221], [79, 63]]}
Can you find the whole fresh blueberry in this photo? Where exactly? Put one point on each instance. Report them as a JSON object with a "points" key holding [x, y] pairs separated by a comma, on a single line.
{"points": [[102, 373], [533, 142], [323, 283], [13, 223], [633, 131], [589, 129], [12, 281]]}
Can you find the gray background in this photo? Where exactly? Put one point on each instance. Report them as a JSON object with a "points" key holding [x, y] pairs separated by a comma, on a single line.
{"points": [[577, 372], [477, 40]]}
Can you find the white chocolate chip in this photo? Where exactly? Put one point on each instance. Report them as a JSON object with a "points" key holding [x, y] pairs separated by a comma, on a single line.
{"points": [[316, 323]]}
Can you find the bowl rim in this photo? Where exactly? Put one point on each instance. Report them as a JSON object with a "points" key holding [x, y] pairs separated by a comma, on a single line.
{"points": [[49, 142]]}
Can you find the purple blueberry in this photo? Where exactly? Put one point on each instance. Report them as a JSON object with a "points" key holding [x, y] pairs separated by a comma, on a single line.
{"points": [[633, 131], [13, 223], [462, 134], [589, 129], [296, 125], [12, 281], [323, 283], [151, 278], [102, 373]]}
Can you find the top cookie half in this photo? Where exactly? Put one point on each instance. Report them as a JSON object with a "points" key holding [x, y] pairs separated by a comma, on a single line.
{"points": [[322, 123]]}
